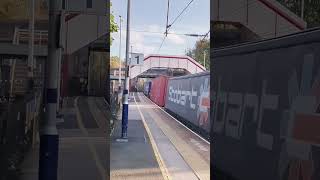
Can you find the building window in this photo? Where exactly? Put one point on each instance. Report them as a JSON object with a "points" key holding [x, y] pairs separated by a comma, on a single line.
{"points": [[89, 3]]}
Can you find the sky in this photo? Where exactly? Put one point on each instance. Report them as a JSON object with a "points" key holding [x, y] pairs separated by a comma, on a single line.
{"points": [[150, 15]]}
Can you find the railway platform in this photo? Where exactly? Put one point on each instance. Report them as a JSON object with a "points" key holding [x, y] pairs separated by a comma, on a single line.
{"points": [[82, 145], [158, 147]]}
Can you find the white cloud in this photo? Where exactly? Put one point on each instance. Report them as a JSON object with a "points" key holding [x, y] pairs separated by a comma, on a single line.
{"points": [[176, 39], [141, 43], [186, 28], [136, 37], [149, 43], [154, 28], [143, 48]]}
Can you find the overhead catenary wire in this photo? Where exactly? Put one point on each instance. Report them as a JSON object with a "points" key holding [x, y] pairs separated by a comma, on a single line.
{"points": [[182, 34], [184, 9], [169, 26], [161, 43], [166, 32], [205, 35]]}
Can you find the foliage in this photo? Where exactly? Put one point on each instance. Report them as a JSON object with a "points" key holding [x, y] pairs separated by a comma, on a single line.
{"points": [[18, 10], [311, 10], [115, 62], [197, 53], [113, 26]]}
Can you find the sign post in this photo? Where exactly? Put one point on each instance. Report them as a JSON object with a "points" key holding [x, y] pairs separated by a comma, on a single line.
{"points": [[136, 59]]}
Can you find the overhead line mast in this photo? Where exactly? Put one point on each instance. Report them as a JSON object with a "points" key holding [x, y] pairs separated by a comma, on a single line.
{"points": [[166, 33]]}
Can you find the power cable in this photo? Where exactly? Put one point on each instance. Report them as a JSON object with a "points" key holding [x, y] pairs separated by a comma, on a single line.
{"points": [[206, 35], [161, 43], [182, 34], [169, 26]]}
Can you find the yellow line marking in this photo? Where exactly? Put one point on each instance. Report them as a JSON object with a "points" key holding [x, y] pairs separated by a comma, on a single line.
{"points": [[163, 168], [94, 109], [91, 146]]}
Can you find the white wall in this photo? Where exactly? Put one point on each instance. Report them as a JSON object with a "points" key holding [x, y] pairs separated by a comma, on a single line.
{"points": [[256, 16], [87, 27], [98, 6]]}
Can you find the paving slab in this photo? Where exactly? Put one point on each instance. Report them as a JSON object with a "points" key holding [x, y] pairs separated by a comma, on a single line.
{"points": [[134, 159], [82, 151]]}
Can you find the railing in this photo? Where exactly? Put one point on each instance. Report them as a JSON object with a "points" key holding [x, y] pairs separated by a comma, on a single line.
{"points": [[17, 132], [19, 115], [21, 36], [5, 37], [114, 109]]}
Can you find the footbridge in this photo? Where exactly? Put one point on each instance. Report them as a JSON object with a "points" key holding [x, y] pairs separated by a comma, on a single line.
{"points": [[236, 21], [153, 63]]}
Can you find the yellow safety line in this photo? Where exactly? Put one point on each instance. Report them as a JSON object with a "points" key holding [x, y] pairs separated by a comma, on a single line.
{"points": [[163, 168], [91, 147]]}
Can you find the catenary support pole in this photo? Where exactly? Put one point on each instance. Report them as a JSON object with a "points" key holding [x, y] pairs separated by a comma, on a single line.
{"points": [[125, 95], [31, 39], [120, 62], [129, 68], [49, 138], [31, 60]]}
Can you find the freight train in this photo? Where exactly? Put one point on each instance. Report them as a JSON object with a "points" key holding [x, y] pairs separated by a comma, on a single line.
{"points": [[185, 97], [147, 88], [266, 109]]}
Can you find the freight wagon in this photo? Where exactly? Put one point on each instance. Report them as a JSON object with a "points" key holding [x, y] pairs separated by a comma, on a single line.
{"points": [[159, 89], [147, 88], [265, 109], [188, 99], [185, 97]]}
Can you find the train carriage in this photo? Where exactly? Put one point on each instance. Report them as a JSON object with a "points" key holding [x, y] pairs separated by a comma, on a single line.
{"points": [[188, 98], [147, 88], [266, 108]]}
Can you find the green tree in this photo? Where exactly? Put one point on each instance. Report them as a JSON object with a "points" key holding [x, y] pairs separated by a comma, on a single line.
{"points": [[311, 10], [201, 48], [113, 25]]}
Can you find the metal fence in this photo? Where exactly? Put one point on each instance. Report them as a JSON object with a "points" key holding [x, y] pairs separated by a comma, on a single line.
{"points": [[20, 111], [19, 125], [113, 107]]}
